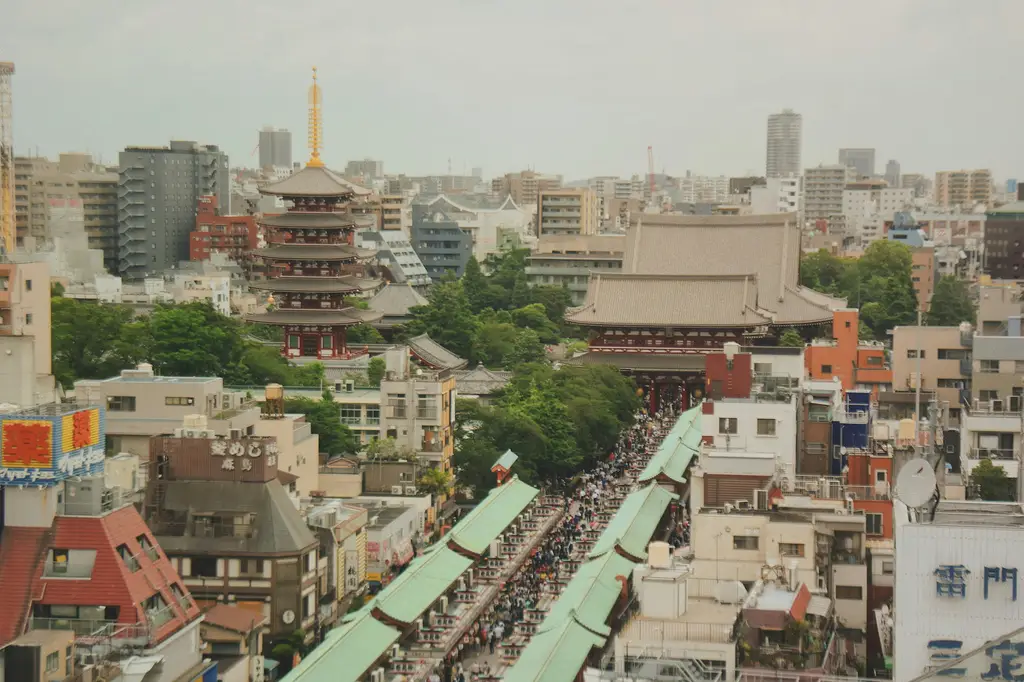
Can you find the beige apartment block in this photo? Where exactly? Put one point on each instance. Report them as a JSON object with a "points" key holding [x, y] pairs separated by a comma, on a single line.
{"points": [[525, 186], [823, 191], [998, 301], [567, 212], [298, 449], [141, 405], [567, 260], [998, 364], [945, 365], [418, 409], [923, 275], [963, 188], [26, 377]]}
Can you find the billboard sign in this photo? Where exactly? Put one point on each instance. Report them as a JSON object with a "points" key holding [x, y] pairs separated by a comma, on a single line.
{"points": [[45, 449]]}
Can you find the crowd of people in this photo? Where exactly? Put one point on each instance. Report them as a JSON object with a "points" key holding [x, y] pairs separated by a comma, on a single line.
{"points": [[555, 557]]}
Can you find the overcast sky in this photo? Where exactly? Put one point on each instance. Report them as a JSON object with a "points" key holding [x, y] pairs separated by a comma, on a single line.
{"points": [[578, 87]]}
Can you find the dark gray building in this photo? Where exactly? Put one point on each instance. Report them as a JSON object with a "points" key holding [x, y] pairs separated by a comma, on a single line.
{"points": [[158, 193], [892, 173], [863, 160], [440, 243], [275, 148]]}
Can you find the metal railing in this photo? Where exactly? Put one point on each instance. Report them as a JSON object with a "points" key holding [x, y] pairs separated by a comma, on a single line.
{"points": [[431, 446], [160, 617], [679, 631], [990, 453], [426, 413]]}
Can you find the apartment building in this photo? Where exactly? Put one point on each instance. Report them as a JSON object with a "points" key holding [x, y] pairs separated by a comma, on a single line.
{"points": [[418, 409], [567, 260], [776, 195], [141, 405], [862, 160], [611, 187], [395, 252], [525, 186], [823, 191], [26, 373], [1004, 230], [892, 173], [488, 221], [367, 168], [45, 189], [234, 236], [963, 188], [867, 208], [785, 136], [158, 191], [998, 367], [703, 189], [856, 364], [923, 275], [567, 212], [231, 530], [943, 363], [998, 301], [275, 147], [396, 212]]}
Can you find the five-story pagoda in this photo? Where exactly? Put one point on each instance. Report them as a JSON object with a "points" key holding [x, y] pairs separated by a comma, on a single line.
{"points": [[313, 266]]}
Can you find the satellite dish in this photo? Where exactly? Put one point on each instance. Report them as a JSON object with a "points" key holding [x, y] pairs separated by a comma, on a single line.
{"points": [[915, 483]]}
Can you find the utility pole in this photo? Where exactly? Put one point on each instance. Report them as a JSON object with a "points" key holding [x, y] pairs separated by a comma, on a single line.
{"points": [[917, 383]]}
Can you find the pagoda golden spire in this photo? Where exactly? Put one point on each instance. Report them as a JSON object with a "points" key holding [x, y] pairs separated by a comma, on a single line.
{"points": [[316, 125]]}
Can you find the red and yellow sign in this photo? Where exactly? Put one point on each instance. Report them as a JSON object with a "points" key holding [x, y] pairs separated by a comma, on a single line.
{"points": [[26, 444], [80, 430]]}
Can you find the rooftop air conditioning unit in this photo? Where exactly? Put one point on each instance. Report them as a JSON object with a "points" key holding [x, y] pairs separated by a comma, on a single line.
{"points": [[997, 405], [350, 386], [337, 387], [743, 504], [226, 401], [235, 433], [396, 490], [410, 490]]}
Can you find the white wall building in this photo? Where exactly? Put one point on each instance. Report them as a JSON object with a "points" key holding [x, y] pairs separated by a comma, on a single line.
{"points": [[760, 428], [213, 288], [866, 210], [485, 220], [957, 582], [777, 195], [992, 435]]}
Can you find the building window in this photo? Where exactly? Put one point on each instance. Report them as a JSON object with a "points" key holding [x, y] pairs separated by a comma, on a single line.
{"points": [[60, 561], [293, 341], [121, 403], [28, 318], [28, 285], [873, 524], [204, 567], [826, 369], [251, 567], [728, 425], [989, 366], [881, 475], [373, 414], [887, 567], [952, 354], [52, 662], [352, 414], [327, 342], [912, 353], [852, 592], [874, 361], [179, 401], [765, 427], [744, 542], [791, 549], [949, 383]]}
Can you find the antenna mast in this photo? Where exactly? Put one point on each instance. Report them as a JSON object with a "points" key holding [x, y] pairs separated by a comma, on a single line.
{"points": [[316, 125], [7, 222], [650, 170]]}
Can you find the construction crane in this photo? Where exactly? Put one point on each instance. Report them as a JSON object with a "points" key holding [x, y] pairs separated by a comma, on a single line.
{"points": [[7, 223], [650, 169]]}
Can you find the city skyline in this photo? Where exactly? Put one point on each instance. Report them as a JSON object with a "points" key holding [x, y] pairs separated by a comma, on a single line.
{"points": [[464, 95]]}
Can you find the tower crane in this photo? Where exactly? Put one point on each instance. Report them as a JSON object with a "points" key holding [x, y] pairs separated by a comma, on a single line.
{"points": [[7, 222]]}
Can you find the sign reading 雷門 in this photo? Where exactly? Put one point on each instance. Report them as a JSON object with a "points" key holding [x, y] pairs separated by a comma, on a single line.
{"points": [[47, 445]]}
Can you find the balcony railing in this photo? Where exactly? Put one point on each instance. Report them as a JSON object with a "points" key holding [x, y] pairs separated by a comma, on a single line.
{"points": [[426, 413], [431, 446], [160, 617], [396, 410], [990, 453], [110, 631], [652, 631]]}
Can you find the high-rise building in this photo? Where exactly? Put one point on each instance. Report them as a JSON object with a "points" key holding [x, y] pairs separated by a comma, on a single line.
{"points": [[366, 168], [892, 173], [823, 191], [159, 191], [567, 211], [275, 148], [862, 160], [963, 188], [785, 132], [1004, 227], [921, 185], [525, 186]]}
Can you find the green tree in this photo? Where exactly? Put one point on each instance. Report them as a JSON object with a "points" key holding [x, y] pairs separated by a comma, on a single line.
{"points": [[824, 272], [436, 482], [447, 319], [494, 343], [375, 371], [991, 482], [951, 303], [534, 317], [361, 334], [526, 348], [389, 450], [56, 290], [196, 340], [554, 299], [324, 417], [283, 650], [87, 339], [791, 338]]}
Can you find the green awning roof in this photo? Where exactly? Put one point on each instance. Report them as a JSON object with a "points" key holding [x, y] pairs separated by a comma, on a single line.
{"points": [[557, 654], [347, 652], [506, 461], [492, 516], [634, 523], [592, 592], [677, 451], [421, 584]]}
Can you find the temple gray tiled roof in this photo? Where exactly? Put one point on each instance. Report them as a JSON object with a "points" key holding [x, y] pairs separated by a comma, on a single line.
{"points": [[434, 354], [481, 381], [314, 181], [394, 302]]}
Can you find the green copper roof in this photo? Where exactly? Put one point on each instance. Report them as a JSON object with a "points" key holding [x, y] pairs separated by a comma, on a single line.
{"points": [[592, 592], [421, 584], [493, 515], [556, 654], [347, 652], [506, 461], [677, 451], [634, 523]]}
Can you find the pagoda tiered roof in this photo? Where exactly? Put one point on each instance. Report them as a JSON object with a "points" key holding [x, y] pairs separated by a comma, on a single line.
{"points": [[313, 252], [315, 182], [328, 220], [316, 285], [307, 316]]}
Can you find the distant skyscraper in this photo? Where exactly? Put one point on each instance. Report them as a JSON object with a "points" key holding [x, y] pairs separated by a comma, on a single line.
{"points": [[785, 131], [275, 148], [160, 190], [862, 160], [892, 173], [367, 168]]}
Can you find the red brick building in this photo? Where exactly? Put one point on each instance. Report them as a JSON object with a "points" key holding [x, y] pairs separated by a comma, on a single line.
{"points": [[234, 235]]}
